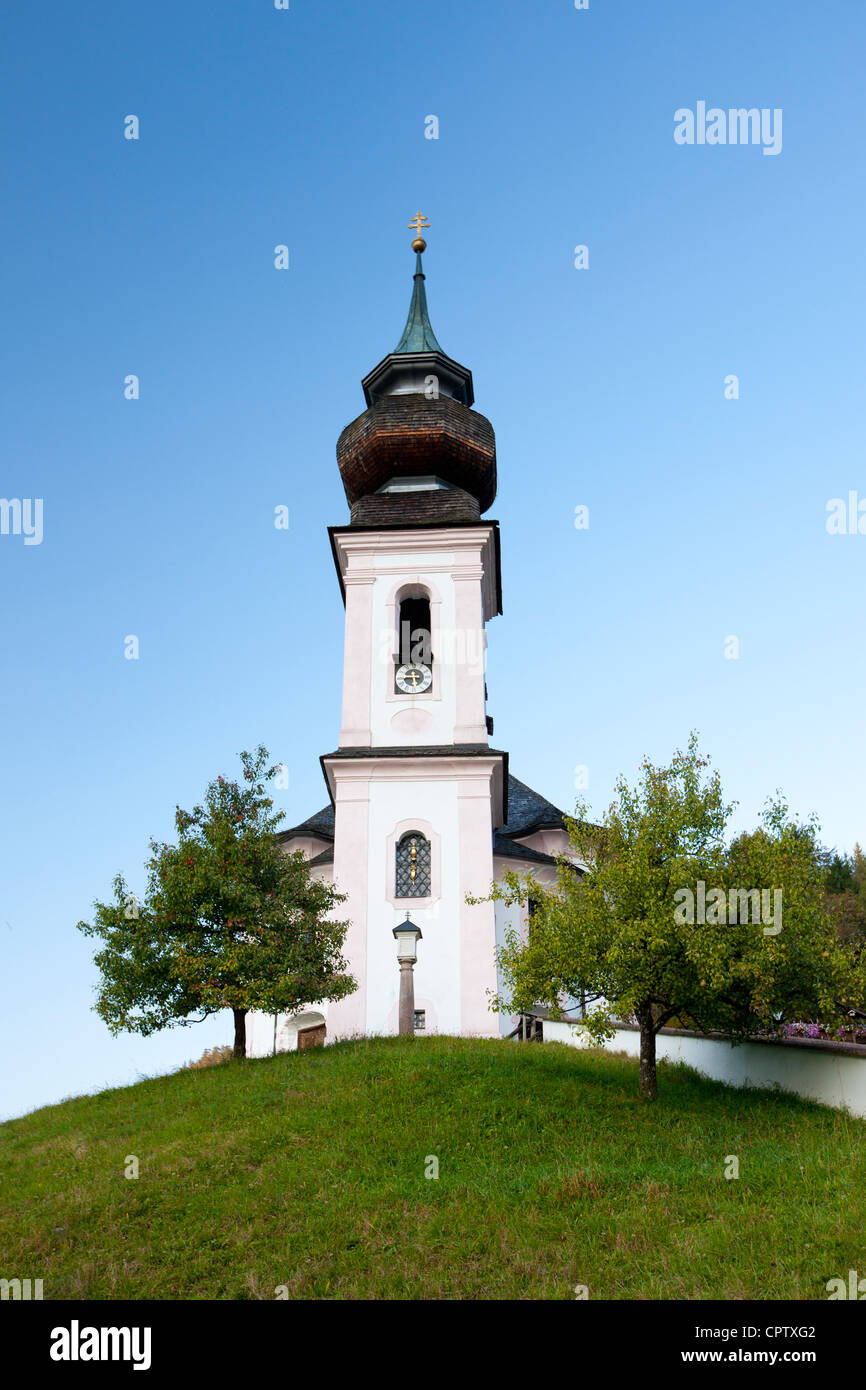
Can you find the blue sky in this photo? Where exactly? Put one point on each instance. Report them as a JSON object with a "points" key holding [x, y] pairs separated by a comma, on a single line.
{"points": [[605, 386]]}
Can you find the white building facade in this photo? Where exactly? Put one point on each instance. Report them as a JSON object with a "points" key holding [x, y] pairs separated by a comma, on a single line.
{"points": [[422, 810]]}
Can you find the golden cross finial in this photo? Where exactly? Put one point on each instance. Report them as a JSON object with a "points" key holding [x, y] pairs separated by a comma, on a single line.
{"points": [[419, 222]]}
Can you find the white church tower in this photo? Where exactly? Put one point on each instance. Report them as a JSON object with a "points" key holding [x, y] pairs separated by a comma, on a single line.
{"points": [[422, 811]]}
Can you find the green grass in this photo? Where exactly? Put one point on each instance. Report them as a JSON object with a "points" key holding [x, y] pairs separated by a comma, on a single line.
{"points": [[308, 1170]]}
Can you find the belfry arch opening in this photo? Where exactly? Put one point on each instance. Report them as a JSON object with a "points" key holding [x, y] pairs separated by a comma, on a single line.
{"points": [[414, 628]]}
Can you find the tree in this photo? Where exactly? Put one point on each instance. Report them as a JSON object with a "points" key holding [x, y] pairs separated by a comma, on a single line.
{"points": [[229, 921], [845, 890], [839, 875], [669, 923]]}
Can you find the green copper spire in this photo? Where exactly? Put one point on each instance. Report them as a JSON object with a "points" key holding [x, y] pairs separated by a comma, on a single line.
{"points": [[418, 335], [418, 362]]}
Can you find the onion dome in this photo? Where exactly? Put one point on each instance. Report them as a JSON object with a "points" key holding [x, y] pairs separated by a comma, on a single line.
{"points": [[418, 454]]}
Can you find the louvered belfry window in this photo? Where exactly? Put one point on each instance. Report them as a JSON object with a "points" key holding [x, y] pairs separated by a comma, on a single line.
{"points": [[413, 866]]}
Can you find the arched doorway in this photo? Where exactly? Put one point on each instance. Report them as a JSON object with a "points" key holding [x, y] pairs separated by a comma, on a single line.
{"points": [[307, 1029]]}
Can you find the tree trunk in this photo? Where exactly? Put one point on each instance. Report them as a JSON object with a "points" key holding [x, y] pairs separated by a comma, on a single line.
{"points": [[648, 1083], [240, 1033]]}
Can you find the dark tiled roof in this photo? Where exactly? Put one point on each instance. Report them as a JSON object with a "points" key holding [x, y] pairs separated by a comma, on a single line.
{"points": [[412, 435], [527, 812], [321, 824], [426, 750], [424, 507]]}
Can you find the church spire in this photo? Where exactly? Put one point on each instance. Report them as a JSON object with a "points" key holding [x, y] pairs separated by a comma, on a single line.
{"points": [[419, 454], [418, 335], [418, 366]]}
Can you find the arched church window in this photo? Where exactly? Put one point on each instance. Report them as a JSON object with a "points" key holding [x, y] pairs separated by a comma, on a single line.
{"points": [[413, 866]]}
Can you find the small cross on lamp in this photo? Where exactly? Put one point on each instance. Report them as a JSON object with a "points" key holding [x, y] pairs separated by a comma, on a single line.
{"points": [[407, 936]]}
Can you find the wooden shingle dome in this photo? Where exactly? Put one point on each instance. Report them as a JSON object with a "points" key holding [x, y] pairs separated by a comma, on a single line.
{"points": [[418, 422]]}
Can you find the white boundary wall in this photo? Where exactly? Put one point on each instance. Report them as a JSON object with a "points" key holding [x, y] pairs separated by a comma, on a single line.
{"points": [[822, 1073]]}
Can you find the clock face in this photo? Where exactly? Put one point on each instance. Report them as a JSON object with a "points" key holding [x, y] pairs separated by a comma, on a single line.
{"points": [[414, 679]]}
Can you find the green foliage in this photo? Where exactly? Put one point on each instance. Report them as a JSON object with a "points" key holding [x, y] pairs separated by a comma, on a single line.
{"points": [[839, 876], [228, 921], [615, 934], [845, 901]]}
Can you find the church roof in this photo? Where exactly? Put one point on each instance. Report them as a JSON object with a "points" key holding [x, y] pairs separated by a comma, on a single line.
{"points": [[321, 824], [418, 335], [436, 507], [526, 810], [418, 357]]}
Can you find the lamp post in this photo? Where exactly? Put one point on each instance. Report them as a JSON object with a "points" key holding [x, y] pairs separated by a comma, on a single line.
{"points": [[407, 936]]}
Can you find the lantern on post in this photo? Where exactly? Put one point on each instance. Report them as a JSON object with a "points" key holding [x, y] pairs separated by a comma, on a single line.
{"points": [[407, 936]]}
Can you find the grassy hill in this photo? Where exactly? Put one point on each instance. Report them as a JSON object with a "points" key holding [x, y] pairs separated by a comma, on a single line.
{"points": [[308, 1170]]}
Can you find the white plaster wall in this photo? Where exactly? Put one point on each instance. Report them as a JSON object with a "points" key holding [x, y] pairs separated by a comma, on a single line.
{"points": [[458, 567], [833, 1078], [514, 916], [260, 1027], [504, 917], [434, 713], [260, 1030], [437, 972], [550, 842], [309, 845]]}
